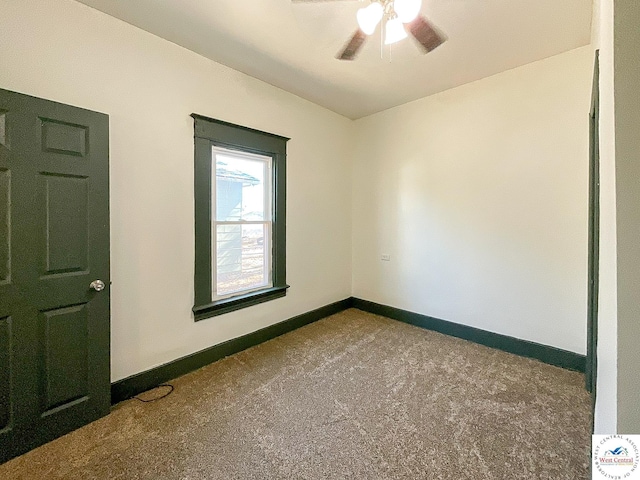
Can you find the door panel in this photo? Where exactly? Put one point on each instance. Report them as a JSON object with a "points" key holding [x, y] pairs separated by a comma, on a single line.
{"points": [[63, 356], [3, 128], [5, 371], [66, 210], [63, 138], [54, 241], [5, 214]]}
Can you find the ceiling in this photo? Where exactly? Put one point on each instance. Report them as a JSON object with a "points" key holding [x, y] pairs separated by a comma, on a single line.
{"points": [[293, 45]]}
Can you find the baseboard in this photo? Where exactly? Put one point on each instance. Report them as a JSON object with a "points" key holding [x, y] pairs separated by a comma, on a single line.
{"points": [[141, 382], [544, 353]]}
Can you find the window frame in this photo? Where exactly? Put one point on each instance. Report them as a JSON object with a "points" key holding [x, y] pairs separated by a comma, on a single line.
{"points": [[209, 133]]}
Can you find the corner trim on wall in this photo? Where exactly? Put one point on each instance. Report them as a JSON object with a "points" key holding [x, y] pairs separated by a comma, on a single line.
{"points": [[141, 382], [524, 348]]}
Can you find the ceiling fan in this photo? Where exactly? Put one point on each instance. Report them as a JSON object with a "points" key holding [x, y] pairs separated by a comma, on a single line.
{"points": [[396, 17]]}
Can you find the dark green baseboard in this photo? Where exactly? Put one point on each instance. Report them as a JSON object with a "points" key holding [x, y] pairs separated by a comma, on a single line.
{"points": [[524, 348], [141, 382]]}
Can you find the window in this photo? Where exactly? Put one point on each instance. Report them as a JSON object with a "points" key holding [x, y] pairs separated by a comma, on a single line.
{"points": [[240, 190]]}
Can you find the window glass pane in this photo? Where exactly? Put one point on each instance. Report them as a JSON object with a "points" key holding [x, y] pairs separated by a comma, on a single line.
{"points": [[240, 187], [243, 261]]}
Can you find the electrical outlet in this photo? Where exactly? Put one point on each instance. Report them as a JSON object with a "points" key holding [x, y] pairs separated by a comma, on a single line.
{"points": [[385, 257]]}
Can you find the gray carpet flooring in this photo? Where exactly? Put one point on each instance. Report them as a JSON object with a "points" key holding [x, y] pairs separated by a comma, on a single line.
{"points": [[353, 396]]}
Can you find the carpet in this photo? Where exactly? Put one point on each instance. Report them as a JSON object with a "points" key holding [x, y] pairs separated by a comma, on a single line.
{"points": [[352, 396]]}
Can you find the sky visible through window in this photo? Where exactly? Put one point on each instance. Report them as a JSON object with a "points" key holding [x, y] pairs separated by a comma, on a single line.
{"points": [[242, 251], [235, 168]]}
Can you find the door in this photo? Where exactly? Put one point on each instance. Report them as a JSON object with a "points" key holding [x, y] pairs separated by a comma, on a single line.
{"points": [[594, 237], [54, 242]]}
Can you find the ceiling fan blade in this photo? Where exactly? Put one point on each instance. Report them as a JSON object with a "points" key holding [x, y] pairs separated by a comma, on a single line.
{"points": [[354, 45], [426, 34]]}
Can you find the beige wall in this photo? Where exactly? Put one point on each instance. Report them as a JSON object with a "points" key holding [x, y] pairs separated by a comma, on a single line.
{"points": [[480, 196], [67, 52], [627, 160], [618, 39], [606, 400]]}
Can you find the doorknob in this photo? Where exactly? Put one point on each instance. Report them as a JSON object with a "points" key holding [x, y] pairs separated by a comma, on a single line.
{"points": [[97, 285]]}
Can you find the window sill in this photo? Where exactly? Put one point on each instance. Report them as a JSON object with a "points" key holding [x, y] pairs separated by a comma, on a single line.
{"points": [[227, 305]]}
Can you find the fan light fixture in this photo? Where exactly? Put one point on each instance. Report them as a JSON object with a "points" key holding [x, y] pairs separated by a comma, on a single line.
{"points": [[394, 31], [369, 17], [407, 10], [398, 19], [396, 13]]}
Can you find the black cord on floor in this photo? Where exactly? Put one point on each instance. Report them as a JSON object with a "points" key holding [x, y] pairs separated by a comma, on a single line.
{"points": [[168, 385]]}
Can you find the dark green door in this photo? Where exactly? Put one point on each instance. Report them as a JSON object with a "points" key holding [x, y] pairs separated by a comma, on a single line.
{"points": [[54, 242], [594, 236]]}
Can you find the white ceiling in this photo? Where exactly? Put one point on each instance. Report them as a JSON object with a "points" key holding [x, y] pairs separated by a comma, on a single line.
{"points": [[293, 45]]}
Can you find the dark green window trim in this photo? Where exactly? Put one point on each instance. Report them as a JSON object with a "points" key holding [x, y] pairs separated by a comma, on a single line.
{"points": [[209, 133]]}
